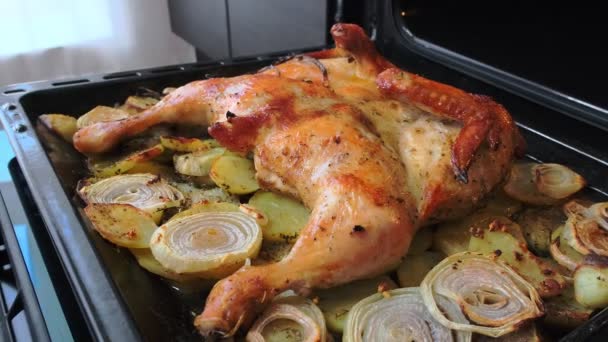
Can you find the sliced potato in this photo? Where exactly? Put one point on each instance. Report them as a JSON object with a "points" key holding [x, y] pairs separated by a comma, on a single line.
{"points": [[197, 163], [196, 195], [286, 216], [453, 237], [206, 207], [62, 125], [122, 224], [423, 240], [181, 144], [101, 114], [108, 169], [140, 103], [152, 167], [234, 174], [544, 276], [335, 303], [415, 267], [537, 225], [564, 312], [591, 285]]}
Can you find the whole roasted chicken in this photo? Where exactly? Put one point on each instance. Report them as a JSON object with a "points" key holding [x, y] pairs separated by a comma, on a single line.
{"points": [[374, 151]]}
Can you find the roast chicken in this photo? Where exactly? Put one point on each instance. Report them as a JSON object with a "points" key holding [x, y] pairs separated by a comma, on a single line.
{"points": [[374, 151]]}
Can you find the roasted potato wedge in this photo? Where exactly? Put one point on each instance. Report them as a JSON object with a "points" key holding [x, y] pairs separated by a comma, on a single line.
{"points": [[544, 276], [196, 195], [139, 103], [234, 174], [62, 125], [415, 267], [113, 168], [181, 144], [335, 303], [122, 224], [591, 284], [101, 114], [286, 216], [453, 237], [537, 225]]}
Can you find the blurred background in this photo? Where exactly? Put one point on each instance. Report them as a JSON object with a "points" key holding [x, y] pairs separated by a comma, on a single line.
{"points": [[64, 38]]}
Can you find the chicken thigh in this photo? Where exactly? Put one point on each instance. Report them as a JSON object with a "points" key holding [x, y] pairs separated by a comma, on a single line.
{"points": [[374, 152]]}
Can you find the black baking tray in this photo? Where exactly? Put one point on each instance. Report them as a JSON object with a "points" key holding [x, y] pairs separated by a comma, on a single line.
{"points": [[121, 301]]}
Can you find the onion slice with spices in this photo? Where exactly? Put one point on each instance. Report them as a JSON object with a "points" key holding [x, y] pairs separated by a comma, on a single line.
{"points": [[401, 315], [145, 191], [557, 181], [492, 296], [542, 184], [290, 318], [210, 244], [584, 230]]}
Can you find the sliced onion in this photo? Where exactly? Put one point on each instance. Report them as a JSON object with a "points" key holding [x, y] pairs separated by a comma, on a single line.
{"points": [[584, 228], [562, 252], [401, 315], [493, 296], [290, 315], [211, 244], [542, 184], [599, 213], [557, 181], [145, 191]]}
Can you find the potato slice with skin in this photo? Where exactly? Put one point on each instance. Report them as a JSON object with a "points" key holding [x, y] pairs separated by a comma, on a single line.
{"points": [[101, 114], [181, 144], [197, 163], [62, 125], [538, 224], [122, 224], [286, 216], [196, 195], [500, 244], [124, 165], [335, 303], [591, 282], [415, 267], [140, 103], [453, 237], [234, 174]]}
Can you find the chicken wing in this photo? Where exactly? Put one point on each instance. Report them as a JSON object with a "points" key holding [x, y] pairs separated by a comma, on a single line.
{"points": [[375, 152]]}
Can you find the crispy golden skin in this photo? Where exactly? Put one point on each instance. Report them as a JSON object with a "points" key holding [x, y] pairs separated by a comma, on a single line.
{"points": [[375, 152]]}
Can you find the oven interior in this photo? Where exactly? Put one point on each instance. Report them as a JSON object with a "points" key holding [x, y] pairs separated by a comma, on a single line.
{"points": [[152, 309]]}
